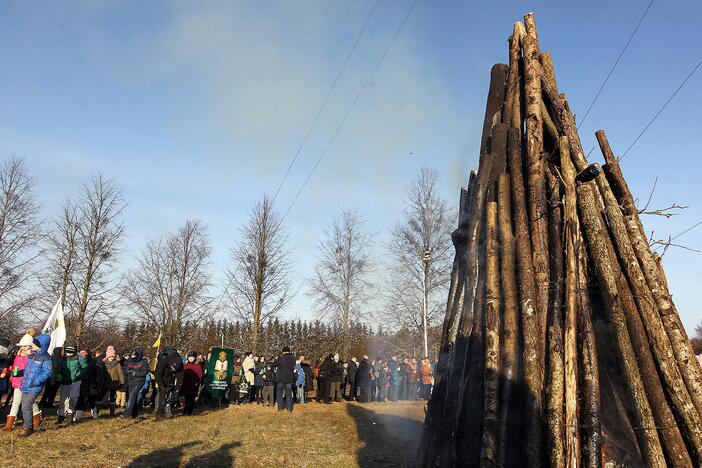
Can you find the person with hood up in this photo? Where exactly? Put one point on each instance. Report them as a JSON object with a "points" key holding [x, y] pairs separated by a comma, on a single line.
{"points": [[284, 378], [136, 369], [324, 381], [352, 369], [39, 369], [114, 378], [69, 374], [363, 380], [337, 376], [249, 366], [192, 377], [16, 372], [300, 382], [169, 378]]}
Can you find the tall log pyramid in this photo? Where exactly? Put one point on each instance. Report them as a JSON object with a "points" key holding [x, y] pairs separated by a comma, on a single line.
{"points": [[561, 344]]}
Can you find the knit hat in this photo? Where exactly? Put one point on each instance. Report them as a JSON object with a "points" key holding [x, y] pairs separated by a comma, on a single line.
{"points": [[26, 340], [70, 347], [84, 353], [110, 352]]}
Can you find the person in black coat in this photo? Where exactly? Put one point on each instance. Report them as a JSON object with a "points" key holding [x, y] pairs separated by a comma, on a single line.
{"points": [[169, 377], [352, 370], [285, 378], [336, 378], [309, 378], [324, 380], [136, 368], [363, 380]]}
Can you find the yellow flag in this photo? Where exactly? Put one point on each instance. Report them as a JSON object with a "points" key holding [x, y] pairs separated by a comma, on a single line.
{"points": [[158, 342]]}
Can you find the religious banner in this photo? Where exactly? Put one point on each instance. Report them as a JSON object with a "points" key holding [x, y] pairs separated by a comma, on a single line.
{"points": [[219, 371]]}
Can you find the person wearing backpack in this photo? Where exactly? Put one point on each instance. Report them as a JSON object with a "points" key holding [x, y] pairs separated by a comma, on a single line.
{"points": [[169, 378], [135, 369]]}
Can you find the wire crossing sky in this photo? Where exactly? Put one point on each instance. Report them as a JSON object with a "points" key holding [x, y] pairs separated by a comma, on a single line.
{"points": [[196, 109]]}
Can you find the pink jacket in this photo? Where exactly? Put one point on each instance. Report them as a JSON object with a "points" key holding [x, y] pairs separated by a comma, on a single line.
{"points": [[20, 363]]}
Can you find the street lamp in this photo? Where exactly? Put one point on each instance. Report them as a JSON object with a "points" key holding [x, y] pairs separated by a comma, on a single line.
{"points": [[426, 258]]}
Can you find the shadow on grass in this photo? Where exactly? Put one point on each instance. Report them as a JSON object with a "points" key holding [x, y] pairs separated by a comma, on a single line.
{"points": [[388, 440], [218, 457], [165, 457]]}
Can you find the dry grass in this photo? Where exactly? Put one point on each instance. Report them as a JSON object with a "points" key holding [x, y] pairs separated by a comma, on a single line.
{"points": [[314, 435]]}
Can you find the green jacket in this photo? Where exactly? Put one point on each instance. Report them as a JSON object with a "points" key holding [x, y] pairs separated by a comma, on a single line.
{"points": [[71, 369]]}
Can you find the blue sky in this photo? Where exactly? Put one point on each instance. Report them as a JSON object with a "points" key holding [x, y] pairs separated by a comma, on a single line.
{"points": [[196, 108]]}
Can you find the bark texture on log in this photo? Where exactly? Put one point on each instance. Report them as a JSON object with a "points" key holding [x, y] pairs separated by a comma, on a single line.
{"points": [[509, 361], [554, 403], [601, 253], [572, 240], [682, 349], [489, 453]]}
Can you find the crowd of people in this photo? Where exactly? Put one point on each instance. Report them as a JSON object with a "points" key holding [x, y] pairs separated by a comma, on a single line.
{"points": [[87, 382]]}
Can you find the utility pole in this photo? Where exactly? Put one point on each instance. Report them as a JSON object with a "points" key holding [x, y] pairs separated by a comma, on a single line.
{"points": [[426, 258]]}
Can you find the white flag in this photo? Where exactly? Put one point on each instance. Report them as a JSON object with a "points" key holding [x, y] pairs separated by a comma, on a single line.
{"points": [[56, 326]]}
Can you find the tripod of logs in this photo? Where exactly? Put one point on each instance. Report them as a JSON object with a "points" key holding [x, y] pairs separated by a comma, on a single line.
{"points": [[561, 344]]}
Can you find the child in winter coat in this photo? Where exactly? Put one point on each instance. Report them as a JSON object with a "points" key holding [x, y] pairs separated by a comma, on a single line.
{"points": [[192, 377], [39, 369], [300, 382], [268, 385], [16, 372]]}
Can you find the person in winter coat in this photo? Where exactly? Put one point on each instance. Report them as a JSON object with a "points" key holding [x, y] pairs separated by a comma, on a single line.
{"points": [[114, 378], [268, 384], [90, 387], [352, 370], [284, 378], [363, 380], [192, 377], [169, 378], [16, 372], [309, 379], [136, 369], [259, 372], [337, 376], [249, 366], [412, 379], [425, 374], [383, 381], [324, 381], [300, 382], [69, 374], [395, 382], [39, 369]]}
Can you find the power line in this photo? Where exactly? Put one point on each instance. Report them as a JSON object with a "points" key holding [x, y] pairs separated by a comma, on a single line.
{"points": [[662, 108], [326, 98], [350, 109], [599, 91]]}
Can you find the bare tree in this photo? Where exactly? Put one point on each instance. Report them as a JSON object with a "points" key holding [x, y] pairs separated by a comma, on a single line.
{"points": [[340, 286], [60, 252], [171, 281], [420, 253], [258, 283], [98, 236], [19, 238]]}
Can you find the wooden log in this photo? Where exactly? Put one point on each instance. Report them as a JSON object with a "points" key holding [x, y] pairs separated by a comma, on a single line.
{"points": [[572, 240], [533, 371], [536, 187], [547, 69], [565, 121], [591, 407], [601, 253], [655, 334], [512, 92], [489, 449], [509, 361], [682, 349], [554, 396]]}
